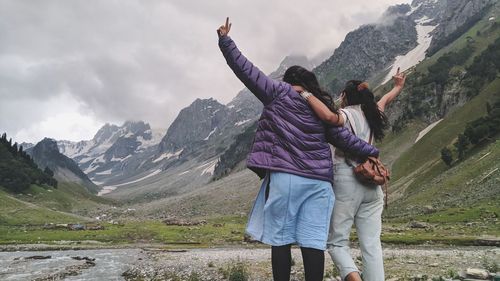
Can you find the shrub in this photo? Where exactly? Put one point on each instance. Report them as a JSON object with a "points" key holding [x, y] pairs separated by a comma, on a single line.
{"points": [[236, 271], [194, 276], [446, 156]]}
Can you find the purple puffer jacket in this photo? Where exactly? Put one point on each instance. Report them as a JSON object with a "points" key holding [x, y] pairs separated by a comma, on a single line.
{"points": [[290, 137]]}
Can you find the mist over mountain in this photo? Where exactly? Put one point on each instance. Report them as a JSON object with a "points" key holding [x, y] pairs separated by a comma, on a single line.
{"points": [[369, 49]]}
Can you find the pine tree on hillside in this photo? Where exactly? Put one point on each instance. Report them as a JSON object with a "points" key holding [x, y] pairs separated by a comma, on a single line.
{"points": [[15, 150], [48, 171], [18, 170], [461, 145], [446, 156]]}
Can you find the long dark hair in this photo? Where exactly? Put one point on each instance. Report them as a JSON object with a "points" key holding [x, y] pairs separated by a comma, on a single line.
{"points": [[357, 92], [298, 76]]}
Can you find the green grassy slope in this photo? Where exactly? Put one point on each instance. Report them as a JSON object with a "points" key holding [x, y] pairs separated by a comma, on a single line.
{"points": [[421, 179], [462, 201], [68, 197], [460, 204], [69, 202], [428, 148], [14, 211]]}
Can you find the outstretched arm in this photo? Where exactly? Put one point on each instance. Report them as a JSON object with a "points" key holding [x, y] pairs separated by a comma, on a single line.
{"points": [[341, 138], [263, 87], [399, 82]]}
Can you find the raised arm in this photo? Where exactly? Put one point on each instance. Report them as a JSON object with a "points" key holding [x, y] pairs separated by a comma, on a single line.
{"points": [[263, 87], [341, 138], [399, 82]]}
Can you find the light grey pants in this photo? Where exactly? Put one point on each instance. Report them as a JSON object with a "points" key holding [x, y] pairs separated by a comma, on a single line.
{"points": [[362, 205]]}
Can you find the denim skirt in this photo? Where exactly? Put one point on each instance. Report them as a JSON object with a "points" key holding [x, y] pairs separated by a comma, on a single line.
{"points": [[291, 209]]}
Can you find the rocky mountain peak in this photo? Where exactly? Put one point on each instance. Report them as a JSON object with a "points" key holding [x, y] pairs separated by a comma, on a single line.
{"points": [[197, 122], [136, 126], [105, 133], [397, 10], [47, 145], [26, 145], [46, 154], [455, 18], [366, 51]]}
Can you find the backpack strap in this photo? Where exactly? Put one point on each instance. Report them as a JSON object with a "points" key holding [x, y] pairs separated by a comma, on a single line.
{"points": [[346, 156], [350, 119], [370, 141]]}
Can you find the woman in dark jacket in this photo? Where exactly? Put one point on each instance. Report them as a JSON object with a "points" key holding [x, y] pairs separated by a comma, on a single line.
{"points": [[292, 154]]}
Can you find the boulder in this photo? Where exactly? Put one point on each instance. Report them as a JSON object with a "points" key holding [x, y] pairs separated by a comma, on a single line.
{"points": [[477, 273], [418, 224]]}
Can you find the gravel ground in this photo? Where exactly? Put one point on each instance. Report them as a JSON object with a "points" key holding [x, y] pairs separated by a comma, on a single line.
{"points": [[212, 264]]}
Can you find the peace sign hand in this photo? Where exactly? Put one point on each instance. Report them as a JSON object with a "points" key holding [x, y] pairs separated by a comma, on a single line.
{"points": [[399, 79], [224, 29]]}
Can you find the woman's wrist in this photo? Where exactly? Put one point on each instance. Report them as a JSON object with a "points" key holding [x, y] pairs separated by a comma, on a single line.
{"points": [[305, 95]]}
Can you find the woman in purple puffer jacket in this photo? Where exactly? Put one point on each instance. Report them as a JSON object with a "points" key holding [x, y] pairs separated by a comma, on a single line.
{"points": [[292, 154]]}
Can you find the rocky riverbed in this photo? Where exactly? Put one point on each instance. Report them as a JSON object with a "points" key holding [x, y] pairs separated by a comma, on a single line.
{"points": [[154, 263], [413, 263]]}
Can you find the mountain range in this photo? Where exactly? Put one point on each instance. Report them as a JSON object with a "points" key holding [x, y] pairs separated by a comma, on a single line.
{"points": [[206, 145]]}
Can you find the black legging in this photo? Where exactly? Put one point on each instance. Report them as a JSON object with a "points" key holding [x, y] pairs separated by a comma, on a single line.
{"points": [[281, 258]]}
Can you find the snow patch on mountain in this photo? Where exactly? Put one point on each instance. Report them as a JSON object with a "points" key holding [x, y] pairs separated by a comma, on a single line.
{"points": [[90, 169], [416, 55], [168, 155], [106, 190], [413, 9], [156, 137], [99, 159], [86, 159], [426, 130], [209, 134], [116, 159], [211, 167], [107, 172], [154, 173], [242, 122]]}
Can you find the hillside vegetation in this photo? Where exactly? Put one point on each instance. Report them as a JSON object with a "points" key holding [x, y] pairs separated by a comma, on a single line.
{"points": [[18, 170], [423, 187]]}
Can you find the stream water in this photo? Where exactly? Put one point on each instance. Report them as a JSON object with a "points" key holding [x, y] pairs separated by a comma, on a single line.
{"points": [[109, 264]]}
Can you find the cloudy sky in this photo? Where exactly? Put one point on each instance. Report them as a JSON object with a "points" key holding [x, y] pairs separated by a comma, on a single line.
{"points": [[69, 66]]}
